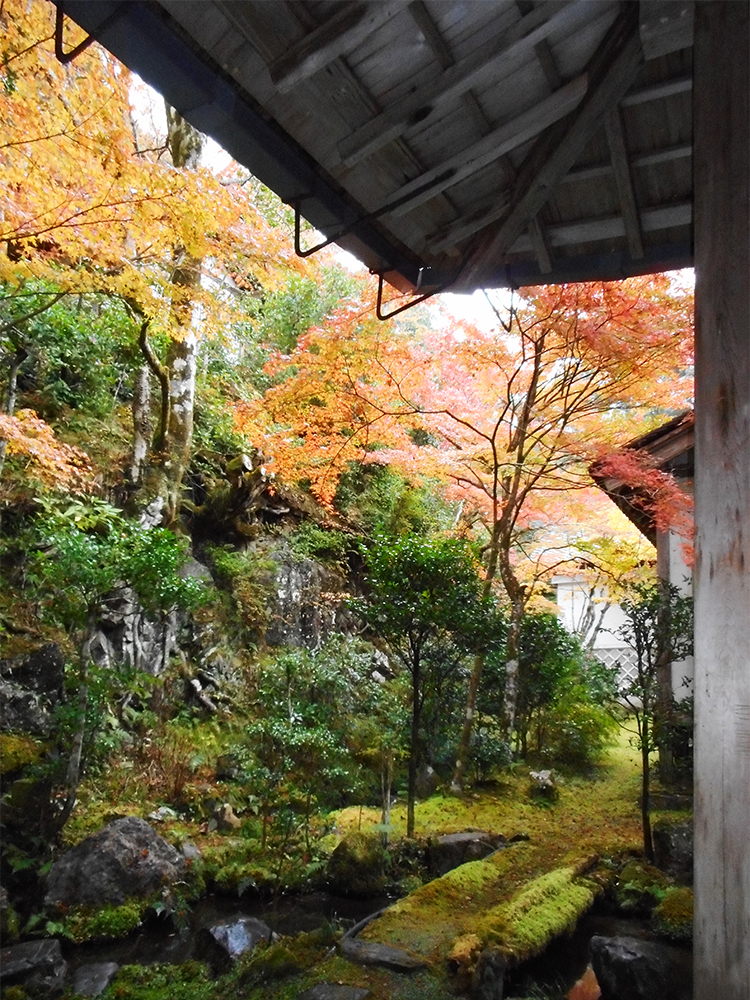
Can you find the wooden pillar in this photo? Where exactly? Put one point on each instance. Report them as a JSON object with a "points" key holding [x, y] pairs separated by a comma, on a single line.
{"points": [[722, 581]]}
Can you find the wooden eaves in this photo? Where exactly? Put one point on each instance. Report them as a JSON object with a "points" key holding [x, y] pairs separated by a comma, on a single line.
{"points": [[501, 143], [669, 448]]}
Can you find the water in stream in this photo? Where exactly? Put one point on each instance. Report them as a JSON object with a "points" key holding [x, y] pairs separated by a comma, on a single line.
{"points": [[159, 941]]}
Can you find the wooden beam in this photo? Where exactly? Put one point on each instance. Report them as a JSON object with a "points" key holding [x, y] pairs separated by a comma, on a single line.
{"points": [[625, 190], [348, 27], [492, 60], [721, 939], [431, 32], [567, 233], [666, 26], [613, 227], [539, 242], [423, 20], [548, 64], [509, 136], [656, 91], [679, 152], [613, 69]]}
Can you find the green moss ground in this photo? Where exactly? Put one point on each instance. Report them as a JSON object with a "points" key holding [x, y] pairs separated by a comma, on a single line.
{"points": [[530, 890], [592, 818]]}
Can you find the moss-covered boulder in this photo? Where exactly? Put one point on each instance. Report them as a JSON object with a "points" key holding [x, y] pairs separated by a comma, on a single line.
{"points": [[673, 917], [357, 866]]}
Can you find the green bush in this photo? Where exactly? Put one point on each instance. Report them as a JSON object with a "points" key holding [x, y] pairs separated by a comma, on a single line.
{"points": [[309, 541]]}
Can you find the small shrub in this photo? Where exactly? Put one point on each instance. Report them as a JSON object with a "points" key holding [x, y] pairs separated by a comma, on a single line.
{"points": [[310, 541]]}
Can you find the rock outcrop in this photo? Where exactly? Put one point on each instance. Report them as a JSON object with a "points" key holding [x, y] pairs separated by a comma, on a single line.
{"points": [[126, 859]]}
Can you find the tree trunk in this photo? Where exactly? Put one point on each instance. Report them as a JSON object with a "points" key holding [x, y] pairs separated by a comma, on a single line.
{"points": [[141, 409], [172, 446], [648, 842], [464, 745], [416, 711], [76, 750], [517, 594]]}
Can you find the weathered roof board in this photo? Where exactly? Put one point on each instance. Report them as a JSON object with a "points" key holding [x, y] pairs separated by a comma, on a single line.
{"points": [[459, 143]]}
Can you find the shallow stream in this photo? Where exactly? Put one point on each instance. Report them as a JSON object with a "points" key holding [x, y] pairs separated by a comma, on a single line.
{"points": [[159, 941]]}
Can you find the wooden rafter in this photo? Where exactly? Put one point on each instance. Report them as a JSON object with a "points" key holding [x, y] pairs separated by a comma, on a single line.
{"points": [[493, 59], [424, 21], [502, 140], [612, 227], [656, 91], [613, 70], [539, 242], [348, 27], [624, 181]]}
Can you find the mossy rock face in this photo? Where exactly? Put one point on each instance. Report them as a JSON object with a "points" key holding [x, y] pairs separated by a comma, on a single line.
{"points": [[17, 752], [673, 917], [357, 866]]}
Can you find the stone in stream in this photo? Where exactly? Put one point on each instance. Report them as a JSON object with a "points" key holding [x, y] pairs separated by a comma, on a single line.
{"points": [[91, 980], [629, 968], [37, 964], [224, 943], [371, 953], [333, 991], [125, 859]]}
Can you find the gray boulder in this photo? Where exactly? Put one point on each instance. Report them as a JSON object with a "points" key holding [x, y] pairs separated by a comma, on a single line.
{"points": [[488, 980], [428, 782], [37, 962], [629, 968], [357, 865], [125, 859], [456, 849], [91, 980]]}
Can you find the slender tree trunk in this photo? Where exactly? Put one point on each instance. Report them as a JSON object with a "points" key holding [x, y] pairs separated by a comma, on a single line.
{"points": [[76, 749], [477, 668], [510, 694], [416, 711], [464, 746], [386, 783], [141, 409], [648, 842], [517, 595]]}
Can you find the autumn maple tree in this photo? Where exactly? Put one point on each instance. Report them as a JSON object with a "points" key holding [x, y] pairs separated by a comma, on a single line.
{"points": [[507, 419], [92, 203]]}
